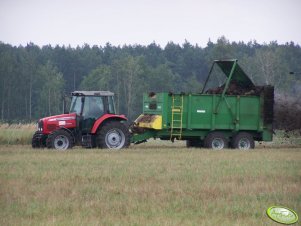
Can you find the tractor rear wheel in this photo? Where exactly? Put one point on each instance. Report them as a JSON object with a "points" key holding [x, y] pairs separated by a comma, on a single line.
{"points": [[216, 140], [243, 141], [113, 135], [60, 140]]}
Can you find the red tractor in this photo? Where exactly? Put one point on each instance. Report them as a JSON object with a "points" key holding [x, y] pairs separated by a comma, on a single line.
{"points": [[91, 122]]}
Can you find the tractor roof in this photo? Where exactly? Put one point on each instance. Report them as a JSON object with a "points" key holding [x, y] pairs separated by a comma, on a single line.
{"points": [[92, 93]]}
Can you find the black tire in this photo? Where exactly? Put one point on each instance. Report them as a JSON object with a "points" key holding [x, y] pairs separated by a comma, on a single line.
{"points": [[60, 140], [38, 140], [216, 140], [113, 135], [243, 141], [193, 143]]}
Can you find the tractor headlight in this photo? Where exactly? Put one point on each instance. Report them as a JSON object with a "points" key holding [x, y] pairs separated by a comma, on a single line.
{"points": [[40, 125]]}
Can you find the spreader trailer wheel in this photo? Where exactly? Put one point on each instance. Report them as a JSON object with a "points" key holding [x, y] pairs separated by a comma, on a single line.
{"points": [[243, 141], [216, 141]]}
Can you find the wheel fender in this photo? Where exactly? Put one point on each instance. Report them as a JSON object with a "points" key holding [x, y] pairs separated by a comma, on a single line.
{"points": [[69, 131], [105, 117]]}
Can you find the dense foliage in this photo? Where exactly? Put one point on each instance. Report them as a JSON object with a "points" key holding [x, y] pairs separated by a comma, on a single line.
{"points": [[33, 79]]}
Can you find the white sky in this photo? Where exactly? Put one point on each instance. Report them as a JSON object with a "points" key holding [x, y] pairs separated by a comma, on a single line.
{"points": [[119, 22]]}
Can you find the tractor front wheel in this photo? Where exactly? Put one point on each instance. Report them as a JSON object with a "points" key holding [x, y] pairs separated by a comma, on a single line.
{"points": [[60, 140], [113, 135], [38, 140]]}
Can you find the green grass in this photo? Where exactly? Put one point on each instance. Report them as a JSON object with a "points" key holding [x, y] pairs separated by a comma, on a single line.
{"points": [[147, 185]]}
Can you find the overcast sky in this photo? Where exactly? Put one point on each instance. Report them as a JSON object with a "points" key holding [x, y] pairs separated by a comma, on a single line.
{"points": [[119, 22]]}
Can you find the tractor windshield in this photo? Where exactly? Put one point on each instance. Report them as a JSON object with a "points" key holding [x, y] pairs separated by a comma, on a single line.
{"points": [[76, 105]]}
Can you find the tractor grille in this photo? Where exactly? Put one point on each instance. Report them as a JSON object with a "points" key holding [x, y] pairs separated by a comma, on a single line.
{"points": [[40, 125]]}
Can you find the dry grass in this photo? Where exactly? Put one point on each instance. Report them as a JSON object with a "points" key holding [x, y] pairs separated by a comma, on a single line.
{"points": [[21, 134], [16, 133], [146, 185]]}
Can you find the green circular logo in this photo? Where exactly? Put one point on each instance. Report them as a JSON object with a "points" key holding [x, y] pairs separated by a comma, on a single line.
{"points": [[282, 215]]}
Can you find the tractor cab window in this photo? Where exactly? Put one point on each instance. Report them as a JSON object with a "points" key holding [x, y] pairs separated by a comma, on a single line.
{"points": [[76, 105], [93, 107], [111, 105]]}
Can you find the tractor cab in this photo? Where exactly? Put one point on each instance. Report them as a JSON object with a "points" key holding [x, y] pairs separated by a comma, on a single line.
{"points": [[90, 106]]}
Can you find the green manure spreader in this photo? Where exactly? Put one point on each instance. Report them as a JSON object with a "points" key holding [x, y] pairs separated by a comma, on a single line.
{"points": [[235, 114]]}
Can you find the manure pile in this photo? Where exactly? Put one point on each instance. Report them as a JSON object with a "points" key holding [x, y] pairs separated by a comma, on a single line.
{"points": [[287, 113]]}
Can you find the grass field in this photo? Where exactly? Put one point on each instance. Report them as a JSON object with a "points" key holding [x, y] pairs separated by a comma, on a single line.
{"points": [[150, 184], [16, 133]]}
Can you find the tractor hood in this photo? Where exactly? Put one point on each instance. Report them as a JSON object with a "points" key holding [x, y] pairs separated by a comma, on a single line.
{"points": [[51, 123]]}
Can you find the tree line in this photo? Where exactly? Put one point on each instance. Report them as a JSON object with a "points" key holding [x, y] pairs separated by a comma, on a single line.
{"points": [[33, 79]]}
